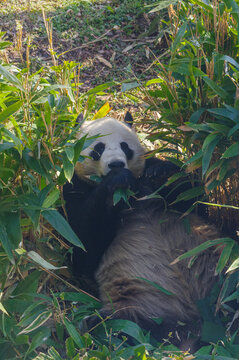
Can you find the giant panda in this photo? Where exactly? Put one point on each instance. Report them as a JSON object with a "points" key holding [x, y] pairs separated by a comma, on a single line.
{"points": [[130, 246]]}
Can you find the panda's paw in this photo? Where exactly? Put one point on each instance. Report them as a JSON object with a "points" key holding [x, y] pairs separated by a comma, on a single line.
{"points": [[161, 169], [119, 179]]}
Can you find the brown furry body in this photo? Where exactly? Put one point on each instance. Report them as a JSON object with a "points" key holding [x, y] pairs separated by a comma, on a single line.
{"points": [[145, 247]]}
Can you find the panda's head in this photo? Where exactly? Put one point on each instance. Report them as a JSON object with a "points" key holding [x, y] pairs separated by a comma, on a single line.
{"points": [[116, 147]]}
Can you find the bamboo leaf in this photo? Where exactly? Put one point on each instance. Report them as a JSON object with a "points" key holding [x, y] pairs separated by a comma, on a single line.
{"points": [[129, 86], [11, 78], [207, 153], [163, 4], [42, 262], [68, 168], [51, 198], [5, 241], [2, 308], [61, 225], [224, 257], [103, 111], [158, 287], [189, 194], [101, 87], [6, 146], [234, 266], [10, 110], [73, 333], [233, 150], [39, 321], [200, 248], [179, 37]]}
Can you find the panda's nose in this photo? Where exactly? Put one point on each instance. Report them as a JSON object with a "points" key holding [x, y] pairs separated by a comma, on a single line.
{"points": [[116, 164]]}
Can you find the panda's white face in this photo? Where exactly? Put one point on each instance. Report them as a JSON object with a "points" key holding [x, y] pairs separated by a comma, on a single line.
{"points": [[116, 147]]}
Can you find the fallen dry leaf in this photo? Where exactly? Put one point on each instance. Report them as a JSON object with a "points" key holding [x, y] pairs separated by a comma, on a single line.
{"points": [[104, 61]]}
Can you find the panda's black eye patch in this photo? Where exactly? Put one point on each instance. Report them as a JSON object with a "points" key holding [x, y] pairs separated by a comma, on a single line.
{"points": [[126, 149], [98, 151]]}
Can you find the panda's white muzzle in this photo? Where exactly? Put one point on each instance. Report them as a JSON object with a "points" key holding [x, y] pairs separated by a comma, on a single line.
{"points": [[117, 164], [108, 163]]}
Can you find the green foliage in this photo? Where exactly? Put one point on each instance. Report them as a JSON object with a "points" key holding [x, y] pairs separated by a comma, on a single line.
{"points": [[38, 123], [197, 88], [195, 94]]}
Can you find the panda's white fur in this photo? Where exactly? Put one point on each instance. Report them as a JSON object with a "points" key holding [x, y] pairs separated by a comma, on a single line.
{"points": [[146, 243], [112, 133]]}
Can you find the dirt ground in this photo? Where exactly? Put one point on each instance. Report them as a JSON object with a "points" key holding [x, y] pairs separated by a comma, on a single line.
{"points": [[109, 46]]}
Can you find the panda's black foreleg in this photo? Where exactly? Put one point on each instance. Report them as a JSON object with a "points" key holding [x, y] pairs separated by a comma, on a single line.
{"points": [[156, 174], [93, 216]]}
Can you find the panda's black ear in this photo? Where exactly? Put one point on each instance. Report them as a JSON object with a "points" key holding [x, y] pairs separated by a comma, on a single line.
{"points": [[80, 119], [128, 119]]}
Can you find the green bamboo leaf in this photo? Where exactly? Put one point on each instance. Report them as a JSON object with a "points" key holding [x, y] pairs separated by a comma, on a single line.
{"points": [[128, 327], [27, 288], [123, 194], [234, 266], [4, 44], [51, 198], [6, 146], [175, 177], [210, 138], [31, 206], [15, 139], [54, 355], [11, 220], [233, 130], [158, 287], [194, 118], [179, 37], [224, 257], [234, 8], [39, 321], [129, 86], [204, 5], [232, 114], [6, 243], [73, 333], [233, 150], [39, 339], [195, 157], [70, 152], [2, 308], [61, 103], [202, 247], [163, 4], [70, 348], [42, 262], [101, 87], [228, 58], [68, 168], [11, 78], [189, 194], [10, 110], [153, 81], [207, 153], [81, 297], [220, 128], [32, 162], [216, 88], [181, 66], [61, 225]]}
